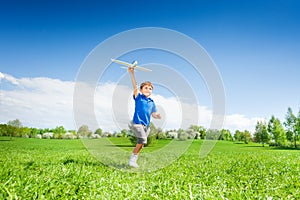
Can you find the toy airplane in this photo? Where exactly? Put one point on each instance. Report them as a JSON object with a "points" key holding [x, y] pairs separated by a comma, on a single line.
{"points": [[131, 65]]}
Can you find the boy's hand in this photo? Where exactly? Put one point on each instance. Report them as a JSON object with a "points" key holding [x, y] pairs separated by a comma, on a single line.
{"points": [[156, 115], [130, 70]]}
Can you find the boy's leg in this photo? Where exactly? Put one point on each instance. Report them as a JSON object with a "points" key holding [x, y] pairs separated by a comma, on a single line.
{"points": [[137, 149], [141, 135]]}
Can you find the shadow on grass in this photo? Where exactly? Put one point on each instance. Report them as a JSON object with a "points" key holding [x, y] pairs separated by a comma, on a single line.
{"points": [[127, 146], [252, 146], [239, 142], [81, 162], [272, 147], [284, 148], [5, 140], [119, 145]]}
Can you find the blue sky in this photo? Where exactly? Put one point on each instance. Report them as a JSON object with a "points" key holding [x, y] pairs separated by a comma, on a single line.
{"points": [[254, 44]]}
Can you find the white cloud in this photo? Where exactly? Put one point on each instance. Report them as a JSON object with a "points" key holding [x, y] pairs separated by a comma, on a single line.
{"points": [[37, 102], [241, 122], [47, 103]]}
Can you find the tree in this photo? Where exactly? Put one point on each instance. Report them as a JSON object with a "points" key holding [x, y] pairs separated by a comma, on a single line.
{"points": [[182, 135], [225, 135], [99, 132], [25, 131], [242, 136], [246, 137], [261, 133], [3, 130], [15, 123], [213, 134], [277, 132], [191, 134], [292, 126], [161, 135], [34, 132], [238, 135], [84, 131], [199, 129], [15, 127], [58, 132]]}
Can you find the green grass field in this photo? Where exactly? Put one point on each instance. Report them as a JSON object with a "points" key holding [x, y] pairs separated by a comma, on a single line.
{"points": [[64, 169]]}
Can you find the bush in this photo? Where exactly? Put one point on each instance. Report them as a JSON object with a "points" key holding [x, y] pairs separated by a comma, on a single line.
{"points": [[118, 135], [172, 134], [183, 136], [48, 135], [95, 136], [39, 136], [68, 136], [161, 136]]}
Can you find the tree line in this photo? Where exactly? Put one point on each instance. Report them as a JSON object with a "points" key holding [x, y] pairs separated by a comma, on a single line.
{"points": [[271, 132], [275, 133]]}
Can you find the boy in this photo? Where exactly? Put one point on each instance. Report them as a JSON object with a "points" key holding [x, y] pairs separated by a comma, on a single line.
{"points": [[144, 109]]}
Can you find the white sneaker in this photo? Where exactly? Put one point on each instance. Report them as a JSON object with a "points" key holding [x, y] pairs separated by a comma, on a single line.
{"points": [[132, 161]]}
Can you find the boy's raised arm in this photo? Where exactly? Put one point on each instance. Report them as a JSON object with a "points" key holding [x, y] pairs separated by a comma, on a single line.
{"points": [[133, 81]]}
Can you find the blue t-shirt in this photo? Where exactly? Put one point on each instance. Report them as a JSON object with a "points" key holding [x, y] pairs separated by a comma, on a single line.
{"points": [[144, 107]]}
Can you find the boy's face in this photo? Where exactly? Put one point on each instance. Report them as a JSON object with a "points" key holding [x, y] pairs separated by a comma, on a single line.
{"points": [[146, 90]]}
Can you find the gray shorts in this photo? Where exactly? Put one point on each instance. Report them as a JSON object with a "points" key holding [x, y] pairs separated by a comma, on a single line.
{"points": [[141, 132]]}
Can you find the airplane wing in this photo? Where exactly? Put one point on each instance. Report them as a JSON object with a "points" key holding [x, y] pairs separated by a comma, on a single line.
{"points": [[130, 65], [121, 62], [142, 68]]}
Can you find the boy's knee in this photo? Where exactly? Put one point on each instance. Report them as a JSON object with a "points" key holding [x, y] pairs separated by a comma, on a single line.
{"points": [[142, 140]]}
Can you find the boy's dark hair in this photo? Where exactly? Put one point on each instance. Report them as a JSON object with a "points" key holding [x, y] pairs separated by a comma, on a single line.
{"points": [[146, 83]]}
